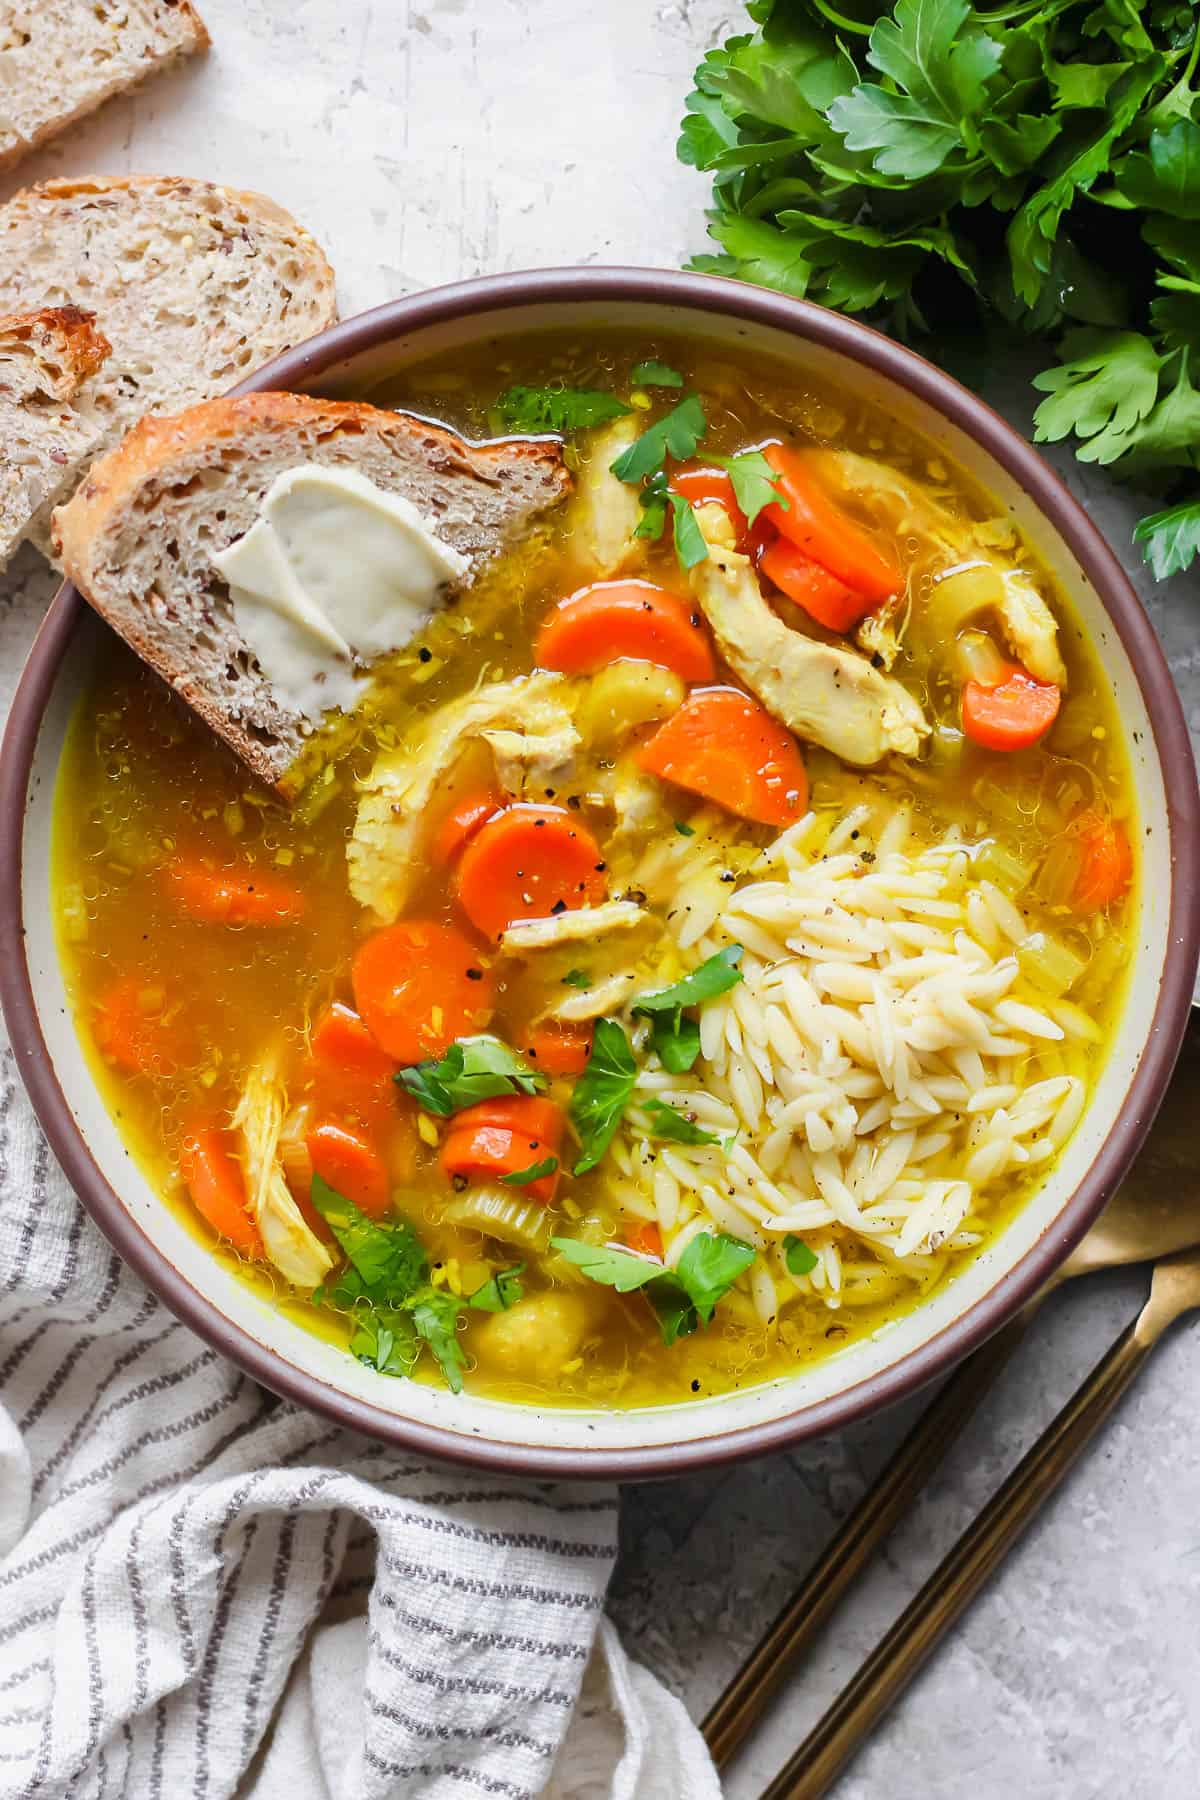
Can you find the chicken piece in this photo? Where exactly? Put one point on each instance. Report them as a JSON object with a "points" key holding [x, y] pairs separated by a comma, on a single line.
{"points": [[583, 925], [605, 512], [606, 996], [297, 1253], [1030, 629], [533, 722], [527, 762], [905, 509], [532, 1340], [822, 692]]}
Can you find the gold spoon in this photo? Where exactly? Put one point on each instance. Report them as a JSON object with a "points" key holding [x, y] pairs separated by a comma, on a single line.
{"points": [[1154, 1213]]}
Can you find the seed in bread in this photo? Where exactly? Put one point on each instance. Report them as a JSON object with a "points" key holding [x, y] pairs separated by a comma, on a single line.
{"points": [[48, 423], [64, 58], [193, 285], [139, 536]]}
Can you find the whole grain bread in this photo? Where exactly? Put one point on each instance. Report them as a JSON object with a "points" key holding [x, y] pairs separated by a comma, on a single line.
{"points": [[193, 285], [47, 417], [138, 537], [60, 59]]}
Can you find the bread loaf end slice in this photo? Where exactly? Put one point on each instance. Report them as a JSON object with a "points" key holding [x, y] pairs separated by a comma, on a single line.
{"points": [[64, 58], [138, 536], [47, 422]]}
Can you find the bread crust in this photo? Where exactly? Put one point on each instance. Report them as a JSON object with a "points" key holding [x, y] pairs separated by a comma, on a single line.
{"points": [[129, 489], [68, 333]]}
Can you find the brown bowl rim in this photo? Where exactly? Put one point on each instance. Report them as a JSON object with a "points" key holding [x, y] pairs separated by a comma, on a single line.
{"points": [[302, 367]]}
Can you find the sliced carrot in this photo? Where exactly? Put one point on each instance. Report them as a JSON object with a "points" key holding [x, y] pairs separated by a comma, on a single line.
{"points": [[461, 823], [646, 1239], [418, 985], [1107, 866], [818, 526], [351, 1164], [228, 897], [559, 1049], [529, 1114], [489, 1152], [352, 1079], [631, 619], [528, 863], [218, 1188], [701, 486], [1013, 713], [133, 1035], [723, 745], [826, 599]]}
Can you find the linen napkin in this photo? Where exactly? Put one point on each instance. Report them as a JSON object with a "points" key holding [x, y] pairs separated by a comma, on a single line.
{"points": [[207, 1592]]}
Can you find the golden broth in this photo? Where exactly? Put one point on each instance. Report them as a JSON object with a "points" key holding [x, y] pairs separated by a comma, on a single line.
{"points": [[142, 780]]}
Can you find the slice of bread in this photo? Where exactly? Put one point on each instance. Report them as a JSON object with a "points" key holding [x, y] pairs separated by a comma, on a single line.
{"points": [[60, 59], [193, 285], [47, 420], [139, 535]]}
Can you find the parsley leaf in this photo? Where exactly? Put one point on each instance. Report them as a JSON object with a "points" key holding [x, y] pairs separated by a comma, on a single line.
{"points": [[535, 1172], [797, 1255], [577, 978], [1168, 179], [534, 409], [389, 1260], [502, 1291], [754, 482], [655, 499], [602, 1092], [435, 1316], [1171, 538], [684, 829], [474, 1068], [676, 1040], [1102, 393], [655, 374], [668, 1122], [683, 1297], [386, 1340], [677, 435]]}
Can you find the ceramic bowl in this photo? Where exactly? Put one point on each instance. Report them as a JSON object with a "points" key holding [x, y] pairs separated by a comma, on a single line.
{"points": [[351, 360]]}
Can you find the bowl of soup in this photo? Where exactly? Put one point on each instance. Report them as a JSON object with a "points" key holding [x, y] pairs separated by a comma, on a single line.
{"points": [[720, 968]]}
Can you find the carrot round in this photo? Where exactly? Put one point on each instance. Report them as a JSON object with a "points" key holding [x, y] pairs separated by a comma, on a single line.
{"points": [[559, 1049], [132, 1037], [418, 985], [634, 620], [489, 1152], [351, 1164], [645, 1239], [351, 1077], [226, 897], [701, 486], [1107, 866], [818, 526], [529, 1114], [461, 823], [218, 1188], [1013, 713], [723, 745], [529, 862], [823, 597]]}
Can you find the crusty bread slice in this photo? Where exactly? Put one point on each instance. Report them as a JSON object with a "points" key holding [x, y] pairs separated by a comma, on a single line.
{"points": [[138, 536], [47, 421], [60, 59], [193, 285]]}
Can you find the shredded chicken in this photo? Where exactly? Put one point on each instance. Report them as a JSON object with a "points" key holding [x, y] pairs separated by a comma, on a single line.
{"points": [[297, 1253], [582, 925], [533, 724], [593, 1003], [822, 692], [604, 511], [528, 762], [905, 508]]}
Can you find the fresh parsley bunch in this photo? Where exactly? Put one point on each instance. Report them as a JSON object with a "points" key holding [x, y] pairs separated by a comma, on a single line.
{"points": [[1042, 155]]}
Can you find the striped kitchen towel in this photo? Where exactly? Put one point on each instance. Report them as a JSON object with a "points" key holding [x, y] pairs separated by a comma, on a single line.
{"points": [[205, 1591]]}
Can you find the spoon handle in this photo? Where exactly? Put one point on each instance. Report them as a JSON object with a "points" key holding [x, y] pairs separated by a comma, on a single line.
{"points": [[843, 1729], [745, 1699]]}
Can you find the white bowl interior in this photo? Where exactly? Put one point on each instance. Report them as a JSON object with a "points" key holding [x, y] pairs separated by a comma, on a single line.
{"points": [[576, 1429]]}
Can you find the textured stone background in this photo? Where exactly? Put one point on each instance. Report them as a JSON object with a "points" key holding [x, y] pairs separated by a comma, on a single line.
{"points": [[426, 142]]}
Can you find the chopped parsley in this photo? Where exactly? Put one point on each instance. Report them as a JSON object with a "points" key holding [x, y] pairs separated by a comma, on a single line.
{"points": [[655, 374], [602, 1093], [536, 409], [754, 482], [667, 1121], [676, 1040], [677, 434], [577, 978], [474, 1068], [797, 1255], [535, 1172], [684, 1297], [502, 1291]]}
